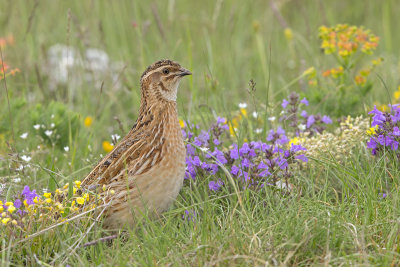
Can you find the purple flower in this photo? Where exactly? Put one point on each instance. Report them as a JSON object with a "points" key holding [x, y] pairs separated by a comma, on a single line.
{"points": [[396, 131], [244, 150], [221, 120], [234, 153], [285, 103], [17, 203], [219, 156], [216, 142], [310, 121], [282, 163], [190, 215], [372, 144], [296, 148], [252, 153], [264, 173], [196, 161], [394, 145], [29, 195], [326, 119], [215, 186], [303, 113], [190, 150], [202, 139], [235, 170], [246, 163], [278, 137], [378, 117], [302, 158], [304, 101]]}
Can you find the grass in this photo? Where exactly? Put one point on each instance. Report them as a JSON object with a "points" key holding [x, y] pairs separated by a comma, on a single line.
{"points": [[336, 215]]}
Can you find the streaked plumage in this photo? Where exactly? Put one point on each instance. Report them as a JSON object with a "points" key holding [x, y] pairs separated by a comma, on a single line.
{"points": [[146, 168]]}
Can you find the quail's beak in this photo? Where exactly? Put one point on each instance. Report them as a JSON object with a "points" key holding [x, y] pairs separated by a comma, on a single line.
{"points": [[184, 72]]}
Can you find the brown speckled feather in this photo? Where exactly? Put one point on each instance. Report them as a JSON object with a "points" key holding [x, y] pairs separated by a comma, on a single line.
{"points": [[146, 168]]}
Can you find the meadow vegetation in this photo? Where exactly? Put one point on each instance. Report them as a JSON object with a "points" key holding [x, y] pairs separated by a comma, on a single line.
{"points": [[290, 122]]}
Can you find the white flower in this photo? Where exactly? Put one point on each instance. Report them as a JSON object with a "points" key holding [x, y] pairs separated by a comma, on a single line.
{"points": [[115, 137], [17, 180], [48, 133], [302, 127], [20, 168], [2, 187], [66, 148], [284, 185], [36, 126], [272, 118], [259, 130], [242, 105], [204, 149], [52, 116], [26, 158], [282, 112], [45, 190], [24, 135], [255, 114], [52, 125]]}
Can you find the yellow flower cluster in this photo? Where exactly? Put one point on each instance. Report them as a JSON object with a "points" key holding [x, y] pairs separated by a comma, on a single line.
{"points": [[347, 40], [49, 208]]}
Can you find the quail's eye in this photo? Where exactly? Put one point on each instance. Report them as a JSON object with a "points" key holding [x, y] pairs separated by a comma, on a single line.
{"points": [[165, 71]]}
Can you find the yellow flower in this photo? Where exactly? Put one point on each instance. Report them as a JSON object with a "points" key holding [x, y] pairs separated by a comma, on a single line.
{"points": [[288, 34], [14, 222], [66, 186], [112, 192], [11, 209], [397, 94], [26, 203], [1, 203], [36, 200], [294, 141], [104, 187], [3, 214], [243, 111], [80, 200], [181, 123], [5, 220], [86, 196], [107, 146], [372, 130], [9, 203], [78, 184], [88, 121], [383, 107], [1, 208], [47, 195], [48, 200], [58, 191]]}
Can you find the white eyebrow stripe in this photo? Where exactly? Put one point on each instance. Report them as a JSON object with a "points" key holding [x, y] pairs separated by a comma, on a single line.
{"points": [[152, 71]]}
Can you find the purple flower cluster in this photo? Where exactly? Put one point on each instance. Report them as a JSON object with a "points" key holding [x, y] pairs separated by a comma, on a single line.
{"points": [[386, 133], [305, 123], [253, 163]]}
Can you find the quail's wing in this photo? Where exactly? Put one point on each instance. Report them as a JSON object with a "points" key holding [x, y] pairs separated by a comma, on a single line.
{"points": [[134, 155]]}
